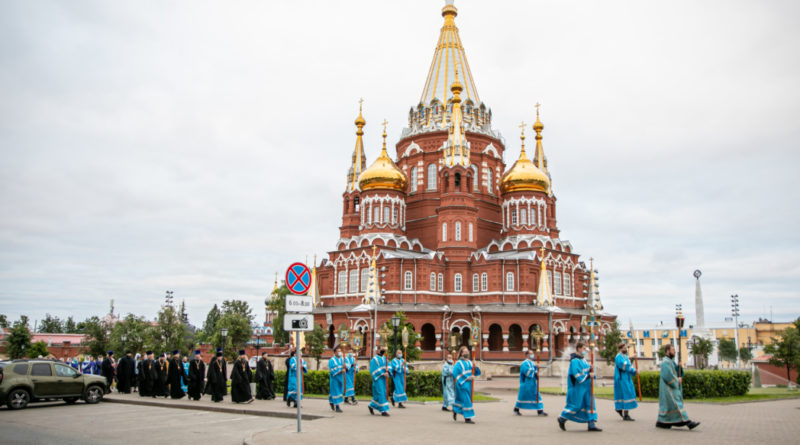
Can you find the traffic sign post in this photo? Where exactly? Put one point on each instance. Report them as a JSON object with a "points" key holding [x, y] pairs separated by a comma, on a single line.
{"points": [[298, 319]]}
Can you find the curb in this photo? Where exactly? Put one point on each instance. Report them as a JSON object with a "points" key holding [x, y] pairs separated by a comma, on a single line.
{"points": [[218, 409]]}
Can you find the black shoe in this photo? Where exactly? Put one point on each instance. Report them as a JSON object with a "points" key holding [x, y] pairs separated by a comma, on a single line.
{"points": [[338, 410], [469, 421], [400, 405], [385, 414], [289, 403], [332, 409], [371, 411], [666, 426], [542, 413], [561, 422], [628, 418], [444, 408], [455, 416], [594, 429], [693, 425], [516, 411], [392, 402], [620, 412]]}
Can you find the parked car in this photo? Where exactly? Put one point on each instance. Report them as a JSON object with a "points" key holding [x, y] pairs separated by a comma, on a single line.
{"points": [[27, 381]]}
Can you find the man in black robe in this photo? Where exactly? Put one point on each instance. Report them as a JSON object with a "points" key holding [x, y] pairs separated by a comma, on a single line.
{"points": [[197, 374], [265, 375], [107, 369], [241, 376], [125, 373], [160, 377], [217, 380], [146, 375], [175, 373]]}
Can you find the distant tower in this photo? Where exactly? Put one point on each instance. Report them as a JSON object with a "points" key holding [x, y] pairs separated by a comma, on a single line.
{"points": [[700, 324]]}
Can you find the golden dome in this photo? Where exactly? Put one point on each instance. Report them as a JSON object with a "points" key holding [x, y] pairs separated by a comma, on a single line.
{"points": [[383, 174], [524, 175]]}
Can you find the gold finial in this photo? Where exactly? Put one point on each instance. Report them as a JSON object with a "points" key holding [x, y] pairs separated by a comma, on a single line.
{"points": [[522, 139], [538, 126], [360, 122], [384, 123]]}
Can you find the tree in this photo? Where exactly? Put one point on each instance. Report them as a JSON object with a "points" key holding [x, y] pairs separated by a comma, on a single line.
{"points": [[137, 332], [3, 321], [315, 343], [785, 350], [727, 349], [210, 326], [609, 343], [745, 354], [237, 318], [38, 349], [278, 305], [412, 351], [167, 334], [97, 334], [51, 325], [701, 349], [69, 326], [662, 351], [19, 340]]}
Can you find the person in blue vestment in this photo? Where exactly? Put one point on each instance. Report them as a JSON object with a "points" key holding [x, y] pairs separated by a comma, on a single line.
{"points": [[379, 370], [528, 396], [87, 365], [448, 384], [336, 378], [184, 377], [98, 365], [670, 394], [351, 368], [464, 372], [398, 368], [294, 388], [624, 391], [580, 403]]}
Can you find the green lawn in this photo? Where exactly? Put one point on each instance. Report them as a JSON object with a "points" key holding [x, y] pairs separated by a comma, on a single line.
{"points": [[755, 394]]}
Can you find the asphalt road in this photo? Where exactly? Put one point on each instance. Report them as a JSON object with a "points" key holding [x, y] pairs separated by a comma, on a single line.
{"points": [[106, 423]]}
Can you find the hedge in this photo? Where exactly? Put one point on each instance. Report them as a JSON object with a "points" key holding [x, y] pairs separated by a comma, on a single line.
{"points": [[702, 384], [418, 383]]}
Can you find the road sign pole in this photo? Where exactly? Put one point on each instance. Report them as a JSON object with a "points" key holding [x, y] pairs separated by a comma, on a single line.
{"points": [[298, 356]]}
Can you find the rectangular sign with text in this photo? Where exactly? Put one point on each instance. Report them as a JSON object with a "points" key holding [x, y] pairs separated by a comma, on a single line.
{"points": [[299, 303]]}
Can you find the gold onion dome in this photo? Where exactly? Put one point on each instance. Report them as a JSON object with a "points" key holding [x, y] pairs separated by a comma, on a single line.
{"points": [[524, 175], [383, 174]]}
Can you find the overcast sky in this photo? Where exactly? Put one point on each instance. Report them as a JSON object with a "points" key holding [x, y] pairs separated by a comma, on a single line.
{"points": [[203, 146]]}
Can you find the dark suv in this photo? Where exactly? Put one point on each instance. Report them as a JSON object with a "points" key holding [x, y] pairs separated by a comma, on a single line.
{"points": [[26, 381]]}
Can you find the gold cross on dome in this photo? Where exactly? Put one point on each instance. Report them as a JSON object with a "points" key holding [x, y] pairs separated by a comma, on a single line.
{"points": [[360, 101], [384, 123], [522, 125], [537, 108]]}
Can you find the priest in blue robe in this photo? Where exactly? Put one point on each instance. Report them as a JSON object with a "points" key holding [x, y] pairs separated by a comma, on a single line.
{"points": [[294, 388], [528, 396], [351, 368], [580, 403], [464, 372], [87, 365], [398, 368], [624, 391], [448, 384], [336, 379], [670, 394], [379, 370]]}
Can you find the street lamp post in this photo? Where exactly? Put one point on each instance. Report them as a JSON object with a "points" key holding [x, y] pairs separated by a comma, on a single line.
{"points": [[123, 337], [395, 325], [224, 333], [257, 332], [679, 320], [735, 313]]}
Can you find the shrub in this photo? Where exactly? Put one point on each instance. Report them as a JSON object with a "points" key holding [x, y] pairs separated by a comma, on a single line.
{"points": [[702, 384], [418, 383]]}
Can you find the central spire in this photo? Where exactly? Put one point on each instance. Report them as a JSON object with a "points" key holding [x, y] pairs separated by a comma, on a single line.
{"points": [[447, 58]]}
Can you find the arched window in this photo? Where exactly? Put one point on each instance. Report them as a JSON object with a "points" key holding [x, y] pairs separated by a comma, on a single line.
{"points": [[515, 338], [356, 202], [409, 279], [495, 338], [475, 183], [484, 282], [458, 231], [557, 283], [533, 216], [377, 214], [475, 285], [457, 282], [331, 337], [342, 284], [433, 281], [522, 217], [353, 281], [567, 284], [469, 232], [440, 283], [385, 215], [364, 278], [514, 217], [510, 281], [444, 231], [413, 179], [395, 213], [550, 280], [428, 337], [369, 216], [488, 172], [431, 176], [457, 181]]}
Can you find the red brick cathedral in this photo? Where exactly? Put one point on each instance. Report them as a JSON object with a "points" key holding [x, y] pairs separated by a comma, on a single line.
{"points": [[458, 240]]}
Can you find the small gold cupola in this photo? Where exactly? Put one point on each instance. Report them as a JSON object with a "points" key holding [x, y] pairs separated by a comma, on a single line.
{"points": [[524, 175], [383, 174]]}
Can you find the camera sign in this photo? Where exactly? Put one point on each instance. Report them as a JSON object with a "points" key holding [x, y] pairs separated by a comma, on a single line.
{"points": [[298, 303], [298, 322]]}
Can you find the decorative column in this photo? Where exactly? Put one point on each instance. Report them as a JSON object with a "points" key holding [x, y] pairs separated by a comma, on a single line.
{"points": [[485, 342], [438, 342], [505, 342]]}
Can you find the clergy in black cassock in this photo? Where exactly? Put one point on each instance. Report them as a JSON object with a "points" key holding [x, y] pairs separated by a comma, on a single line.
{"points": [[217, 380], [175, 373], [265, 375], [197, 374], [146, 375], [107, 369], [241, 376], [160, 377], [125, 373]]}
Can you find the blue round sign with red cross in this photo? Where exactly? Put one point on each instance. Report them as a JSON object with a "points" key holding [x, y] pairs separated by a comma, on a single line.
{"points": [[298, 278]]}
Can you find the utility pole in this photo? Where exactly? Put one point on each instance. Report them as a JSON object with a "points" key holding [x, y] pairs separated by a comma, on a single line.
{"points": [[735, 313]]}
